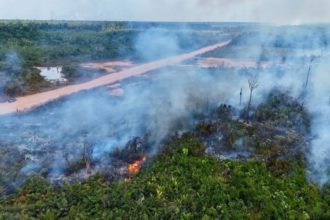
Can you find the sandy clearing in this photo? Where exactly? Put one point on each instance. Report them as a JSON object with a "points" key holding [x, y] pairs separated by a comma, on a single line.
{"points": [[212, 62], [28, 102], [109, 66], [116, 92]]}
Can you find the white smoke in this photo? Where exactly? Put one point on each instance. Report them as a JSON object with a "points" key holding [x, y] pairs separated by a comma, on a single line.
{"points": [[319, 105], [157, 107]]}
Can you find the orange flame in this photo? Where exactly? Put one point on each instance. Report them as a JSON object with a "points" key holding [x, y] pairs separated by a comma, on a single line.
{"points": [[135, 167], [22, 196]]}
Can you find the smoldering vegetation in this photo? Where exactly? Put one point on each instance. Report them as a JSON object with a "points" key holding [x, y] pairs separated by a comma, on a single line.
{"points": [[298, 56], [56, 139], [78, 136]]}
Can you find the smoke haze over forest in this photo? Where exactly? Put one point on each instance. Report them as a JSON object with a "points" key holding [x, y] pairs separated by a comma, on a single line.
{"points": [[164, 109]]}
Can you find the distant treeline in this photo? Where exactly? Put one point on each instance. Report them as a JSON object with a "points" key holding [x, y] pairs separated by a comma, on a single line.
{"points": [[26, 44], [277, 43], [294, 37], [57, 41]]}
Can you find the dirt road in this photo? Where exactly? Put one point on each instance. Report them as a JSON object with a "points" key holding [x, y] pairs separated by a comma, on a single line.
{"points": [[27, 102]]}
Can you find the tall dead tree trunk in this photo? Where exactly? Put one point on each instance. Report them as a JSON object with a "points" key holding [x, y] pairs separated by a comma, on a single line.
{"points": [[253, 84], [87, 156], [309, 72]]}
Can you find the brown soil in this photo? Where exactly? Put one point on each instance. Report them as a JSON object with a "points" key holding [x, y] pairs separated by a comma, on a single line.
{"points": [[213, 62], [108, 66]]}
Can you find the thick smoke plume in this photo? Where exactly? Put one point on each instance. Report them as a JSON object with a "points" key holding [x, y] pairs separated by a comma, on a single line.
{"points": [[156, 43], [301, 68], [319, 105], [11, 65], [153, 107]]}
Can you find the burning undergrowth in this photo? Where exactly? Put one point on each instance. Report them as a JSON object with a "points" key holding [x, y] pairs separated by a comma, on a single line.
{"points": [[72, 139], [91, 132], [279, 130]]}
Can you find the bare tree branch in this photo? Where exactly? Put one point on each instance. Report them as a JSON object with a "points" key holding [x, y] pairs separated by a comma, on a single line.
{"points": [[253, 84]]}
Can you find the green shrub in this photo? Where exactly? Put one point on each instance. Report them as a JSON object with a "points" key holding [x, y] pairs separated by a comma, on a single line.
{"points": [[181, 183]]}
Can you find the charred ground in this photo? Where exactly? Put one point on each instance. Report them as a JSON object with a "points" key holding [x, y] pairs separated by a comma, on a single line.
{"points": [[188, 179], [204, 150]]}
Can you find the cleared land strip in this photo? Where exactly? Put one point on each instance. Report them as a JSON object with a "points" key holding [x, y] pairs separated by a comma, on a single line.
{"points": [[25, 103]]}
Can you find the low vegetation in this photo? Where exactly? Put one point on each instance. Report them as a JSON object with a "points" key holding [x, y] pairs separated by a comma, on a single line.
{"points": [[181, 183], [184, 182], [248, 164]]}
